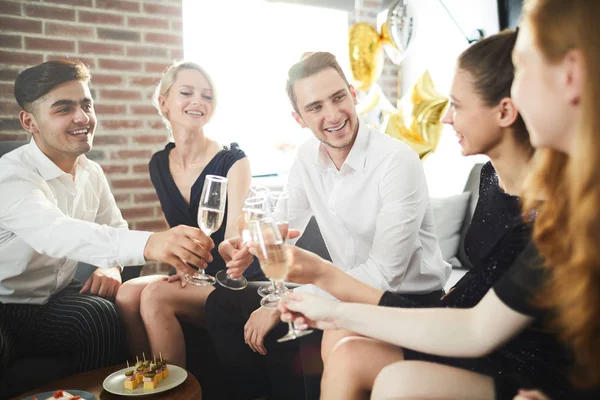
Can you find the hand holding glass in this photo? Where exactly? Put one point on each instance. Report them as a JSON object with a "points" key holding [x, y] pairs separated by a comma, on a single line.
{"points": [[254, 209], [211, 210], [278, 210], [274, 262]]}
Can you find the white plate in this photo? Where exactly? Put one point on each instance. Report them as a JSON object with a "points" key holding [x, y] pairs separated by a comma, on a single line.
{"points": [[45, 395], [114, 383]]}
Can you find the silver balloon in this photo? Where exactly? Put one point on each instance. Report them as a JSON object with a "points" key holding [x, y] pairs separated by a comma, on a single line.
{"points": [[401, 22]]}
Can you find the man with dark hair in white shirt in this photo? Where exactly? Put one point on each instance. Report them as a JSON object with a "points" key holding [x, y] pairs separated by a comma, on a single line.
{"points": [[368, 194], [56, 210]]}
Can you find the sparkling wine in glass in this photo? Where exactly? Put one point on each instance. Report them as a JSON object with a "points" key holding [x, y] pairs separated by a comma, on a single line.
{"points": [[271, 255], [211, 210], [254, 208], [274, 262], [278, 210]]}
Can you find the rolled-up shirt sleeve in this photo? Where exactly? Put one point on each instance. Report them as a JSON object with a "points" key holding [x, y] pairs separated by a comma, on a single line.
{"points": [[30, 214]]}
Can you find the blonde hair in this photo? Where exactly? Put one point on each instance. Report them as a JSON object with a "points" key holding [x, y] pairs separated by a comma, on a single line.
{"points": [[169, 77], [567, 226]]}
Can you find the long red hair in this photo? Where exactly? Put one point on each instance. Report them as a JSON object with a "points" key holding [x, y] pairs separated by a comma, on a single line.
{"points": [[567, 225]]}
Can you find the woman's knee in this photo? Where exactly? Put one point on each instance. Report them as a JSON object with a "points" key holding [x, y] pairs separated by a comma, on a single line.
{"points": [[397, 380], [155, 298], [346, 356], [128, 296]]}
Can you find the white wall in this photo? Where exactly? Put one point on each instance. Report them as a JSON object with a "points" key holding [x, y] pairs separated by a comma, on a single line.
{"points": [[436, 46]]}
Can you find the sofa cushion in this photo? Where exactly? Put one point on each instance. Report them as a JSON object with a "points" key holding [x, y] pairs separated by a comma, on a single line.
{"points": [[448, 215]]}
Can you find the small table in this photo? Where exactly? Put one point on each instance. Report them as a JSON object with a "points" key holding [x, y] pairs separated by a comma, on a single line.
{"points": [[91, 381]]}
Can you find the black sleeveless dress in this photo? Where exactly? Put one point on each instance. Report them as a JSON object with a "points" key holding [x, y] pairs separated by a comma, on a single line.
{"points": [[178, 212]]}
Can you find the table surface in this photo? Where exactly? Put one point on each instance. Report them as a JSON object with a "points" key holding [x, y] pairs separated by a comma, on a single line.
{"points": [[91, 381]]}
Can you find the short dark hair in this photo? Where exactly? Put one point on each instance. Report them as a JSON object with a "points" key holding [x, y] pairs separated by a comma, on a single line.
{"points": [[489, 62], [308, 65], [36, 82]]}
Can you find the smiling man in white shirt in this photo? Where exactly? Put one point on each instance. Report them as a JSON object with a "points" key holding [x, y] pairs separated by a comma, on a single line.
{"points": [[368, 194], [56, 209]]}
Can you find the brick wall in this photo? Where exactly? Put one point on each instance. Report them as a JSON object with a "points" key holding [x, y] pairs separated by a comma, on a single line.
{"points": [[126, 44], [366, 11]]}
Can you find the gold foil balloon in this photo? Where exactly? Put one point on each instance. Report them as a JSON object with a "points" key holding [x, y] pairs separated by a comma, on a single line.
{"points": [[366, 55], [417, 119]]}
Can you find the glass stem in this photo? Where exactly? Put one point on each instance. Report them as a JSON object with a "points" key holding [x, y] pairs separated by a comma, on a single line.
{"points": [[292, 329], [279, 287], [201, 272]]}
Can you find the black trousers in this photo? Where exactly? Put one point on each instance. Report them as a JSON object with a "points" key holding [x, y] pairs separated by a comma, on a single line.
{"points": [[78, 327], [280, 374]]}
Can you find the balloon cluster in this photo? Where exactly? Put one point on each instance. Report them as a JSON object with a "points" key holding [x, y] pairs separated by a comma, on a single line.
{"points": [[416, 118], [366, 46]]}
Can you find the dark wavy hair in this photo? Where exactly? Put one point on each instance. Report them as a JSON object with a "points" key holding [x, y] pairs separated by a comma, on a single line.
{"points": [[36, 82]]}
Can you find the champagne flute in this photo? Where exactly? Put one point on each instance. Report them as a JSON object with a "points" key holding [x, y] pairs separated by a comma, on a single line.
{"points": [[211, 210], [271, 256], [274, 262], [279, 211], [278, 207], [254, 208]]}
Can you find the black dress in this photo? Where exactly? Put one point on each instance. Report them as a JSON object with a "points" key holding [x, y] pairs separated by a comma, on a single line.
{"points": [[496, 236], [548, 372], [178, 212]]}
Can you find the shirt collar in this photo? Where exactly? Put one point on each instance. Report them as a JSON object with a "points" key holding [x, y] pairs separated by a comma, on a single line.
{"points": [[356, 158], [46, 167], [358, 154]]}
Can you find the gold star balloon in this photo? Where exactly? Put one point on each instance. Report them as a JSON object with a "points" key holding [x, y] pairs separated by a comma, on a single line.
{"points": [[417, 118]]}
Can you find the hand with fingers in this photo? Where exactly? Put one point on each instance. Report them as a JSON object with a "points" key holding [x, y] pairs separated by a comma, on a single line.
{"points": [[180, 247], [236, 256], [308, 310], [261, 322], [178, 276], [293, 233], [305, 267], [250, 246], [104, 282]]}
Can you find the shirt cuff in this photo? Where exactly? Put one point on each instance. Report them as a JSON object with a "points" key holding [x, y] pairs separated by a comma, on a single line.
{"points": [[312, 289], [132, 248]]}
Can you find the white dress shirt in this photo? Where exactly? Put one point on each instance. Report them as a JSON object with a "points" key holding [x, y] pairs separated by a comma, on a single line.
{"points": [[50, 221], [374, 213]]}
